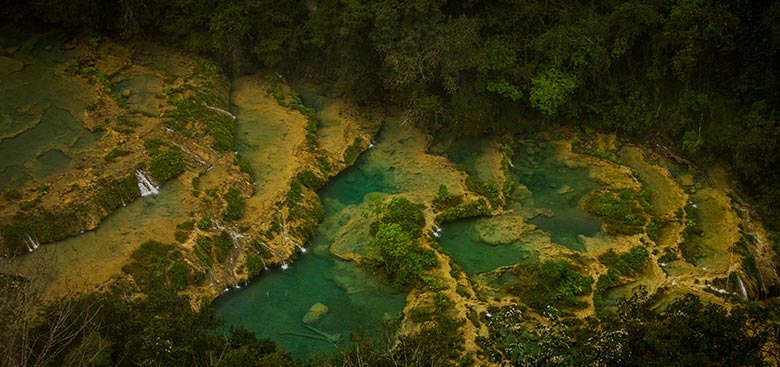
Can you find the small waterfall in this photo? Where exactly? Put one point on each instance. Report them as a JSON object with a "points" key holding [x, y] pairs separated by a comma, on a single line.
{"points": [[742, 289], [31, 243], [276, 253], [286, 237], [145, 184], [437, 231], [370, 144], [198, 158], [221, 111]]}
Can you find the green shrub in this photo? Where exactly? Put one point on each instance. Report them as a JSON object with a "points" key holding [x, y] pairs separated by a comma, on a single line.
{"points": [[204, 223], [488, 190], [444, 200], [235, 205], [114, 193], [476, 208], [621, 211], [353, 150], [166, 164], [115, 153], [628, 264], [156, 265], [551, 283], [310, 179]]}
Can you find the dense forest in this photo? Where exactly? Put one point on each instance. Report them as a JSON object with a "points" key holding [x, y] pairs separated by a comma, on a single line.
{"points": [[696, 76]]}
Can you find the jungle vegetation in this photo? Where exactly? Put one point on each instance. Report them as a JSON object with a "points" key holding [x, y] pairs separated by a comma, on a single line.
{"points": [[697, 76]]}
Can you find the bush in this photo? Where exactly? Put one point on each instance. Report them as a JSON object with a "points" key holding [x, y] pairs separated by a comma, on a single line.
{"points": [[235, 205], [621, 211], [444, 200], [628, 264], [471, 209], [156, 265], [166, 164], [552, 283]]}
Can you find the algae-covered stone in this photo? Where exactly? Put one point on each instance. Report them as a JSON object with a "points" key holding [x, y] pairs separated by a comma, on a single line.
{"points": [[316, 312], [565, 189], [127, 92]]}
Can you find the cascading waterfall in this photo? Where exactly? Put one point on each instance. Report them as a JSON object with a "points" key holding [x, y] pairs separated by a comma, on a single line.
{"points": [[742, 289], [286, 237], [145, 184], [437, 231], [223, 112], [276, 253]]}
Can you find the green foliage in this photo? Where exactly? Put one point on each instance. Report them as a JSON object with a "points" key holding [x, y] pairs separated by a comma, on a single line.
{"points": [[475, 208], [400, 259], [689, 249], [155, 266], [254, 265], [407, 215], [40, 225], [213, 248], [191, 115], [115, 193], [310, 179], [486, 189], [621, 211], [166, 164], [551, 89], [551, 283], [505, 89], [204, 223], [115, 153], [235, 205], [244, 166], [444, 200], [629, 264], [353, 150]]}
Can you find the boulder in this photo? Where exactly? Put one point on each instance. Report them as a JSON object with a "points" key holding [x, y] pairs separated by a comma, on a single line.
{"points": [[316, 312], [127, 92], [565, 189]]}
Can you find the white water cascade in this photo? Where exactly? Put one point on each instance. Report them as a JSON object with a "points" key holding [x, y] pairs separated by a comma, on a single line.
{"points": [[217, 109], [276, 253], [286, 237], [742, 290], [31, 243], [145, 184]]}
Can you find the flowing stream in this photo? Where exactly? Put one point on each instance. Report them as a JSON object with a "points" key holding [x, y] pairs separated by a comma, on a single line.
{"points": [[274, 305]]}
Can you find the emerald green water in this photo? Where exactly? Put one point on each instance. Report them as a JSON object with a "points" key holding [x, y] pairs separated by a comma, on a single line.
{"points": [[273, 306], [475, 255], [484, 244], [559, 189]]}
